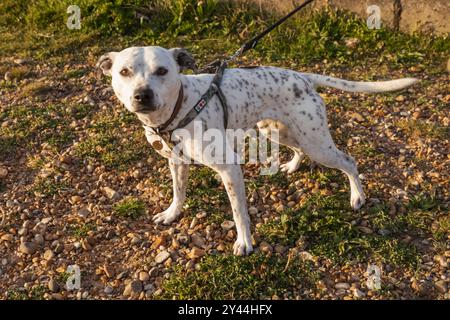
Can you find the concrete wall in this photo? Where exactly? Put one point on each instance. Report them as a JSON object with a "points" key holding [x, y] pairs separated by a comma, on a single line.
{"points": [[427, 16]]}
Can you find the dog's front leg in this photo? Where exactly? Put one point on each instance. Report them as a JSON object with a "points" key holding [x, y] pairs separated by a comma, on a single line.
{"points": [[234, 184], [180, 172]]}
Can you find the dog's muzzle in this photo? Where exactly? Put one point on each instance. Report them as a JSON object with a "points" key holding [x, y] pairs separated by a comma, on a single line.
{"points": [[143, 100]]}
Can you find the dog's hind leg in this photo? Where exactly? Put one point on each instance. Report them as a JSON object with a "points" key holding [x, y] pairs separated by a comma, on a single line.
{"points": [[286, 139], [180, 173], [321, 148]]}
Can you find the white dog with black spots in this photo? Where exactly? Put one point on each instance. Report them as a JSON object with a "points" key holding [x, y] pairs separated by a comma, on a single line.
{"points": [[147, 80]]}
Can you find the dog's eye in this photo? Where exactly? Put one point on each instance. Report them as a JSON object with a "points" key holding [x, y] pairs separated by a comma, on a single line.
{"points": [[125, 72], [161, 71]]}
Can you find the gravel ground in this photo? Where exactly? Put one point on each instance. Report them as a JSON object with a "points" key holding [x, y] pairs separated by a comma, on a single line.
{"points": [[79, 186]]}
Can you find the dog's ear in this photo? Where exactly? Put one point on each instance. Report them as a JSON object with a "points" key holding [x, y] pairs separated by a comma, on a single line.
{"points": [[105, 62], [184, 59]]}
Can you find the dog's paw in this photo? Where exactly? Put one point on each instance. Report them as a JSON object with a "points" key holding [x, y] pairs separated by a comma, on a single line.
{"points": [[291, 166], [166, 217], [242, 248], [357, 201]]}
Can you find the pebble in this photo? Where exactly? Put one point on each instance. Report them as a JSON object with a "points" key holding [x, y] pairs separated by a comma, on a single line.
{"points": [[265, 247], [253, 210], [48, 254], [441, 260], [8, 76], [75, 199], [144, 276], [193, 223], [133, 288], [28, 247], [7, 237], [365, 230], [196, 253], [342, 286], [52, 285], [162, 256], [227, 225], [84, 212], [153, 272], [441, 286], [3, 173], [86, 245], [400, 98], [109, 270], [110, 193], [108, 290], [358, 293]]}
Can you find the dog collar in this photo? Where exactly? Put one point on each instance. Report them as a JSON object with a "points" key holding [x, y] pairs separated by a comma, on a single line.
{"points": [[175, 111]]}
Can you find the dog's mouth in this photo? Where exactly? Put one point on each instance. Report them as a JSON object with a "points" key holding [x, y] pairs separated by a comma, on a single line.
{"points": [[144, 109]]}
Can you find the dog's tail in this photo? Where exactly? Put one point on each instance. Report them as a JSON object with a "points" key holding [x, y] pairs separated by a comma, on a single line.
{"points": [[360, 86]]}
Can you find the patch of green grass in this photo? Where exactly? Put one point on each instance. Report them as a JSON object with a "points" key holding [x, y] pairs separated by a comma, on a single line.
{"points": [[81, 231], [204, 194], [30, 126], [75, 73], [35, 293], [129, 208], [229, 277], [327, 224], [47, 187], [108, 142]]}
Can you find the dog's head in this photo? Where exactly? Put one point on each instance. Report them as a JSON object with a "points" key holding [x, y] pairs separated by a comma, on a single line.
{"points": [[146, 79]]}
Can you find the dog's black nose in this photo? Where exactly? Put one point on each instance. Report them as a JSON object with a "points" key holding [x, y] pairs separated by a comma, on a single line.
{"points": [[143, 96]]}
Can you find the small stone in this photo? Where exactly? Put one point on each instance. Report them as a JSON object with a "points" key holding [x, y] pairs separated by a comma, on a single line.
{"points": [[342, 286], [75, 199], [133, 288], [400, 98], [65, 159], [162, 256], [27, 247], [265, 247], [159, 241], [108, 290], [441, 260], [109, 270], [280, 249], [8, 76], [193, 223], [84, 212], [48, 255], [3, 173], [441, 286], [110, 193], [227, 225], [153, 272], [7, 237], [357, 117], [196, 253], [52, 285], [365, 230], [137, 174], [221, 247], [253, 210], [86, 245], [306, 256], [358, 293], [144, 276]]}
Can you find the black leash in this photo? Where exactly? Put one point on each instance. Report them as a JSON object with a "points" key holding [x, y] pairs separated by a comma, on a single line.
{"points": [[212, 67], [218, 67]]}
